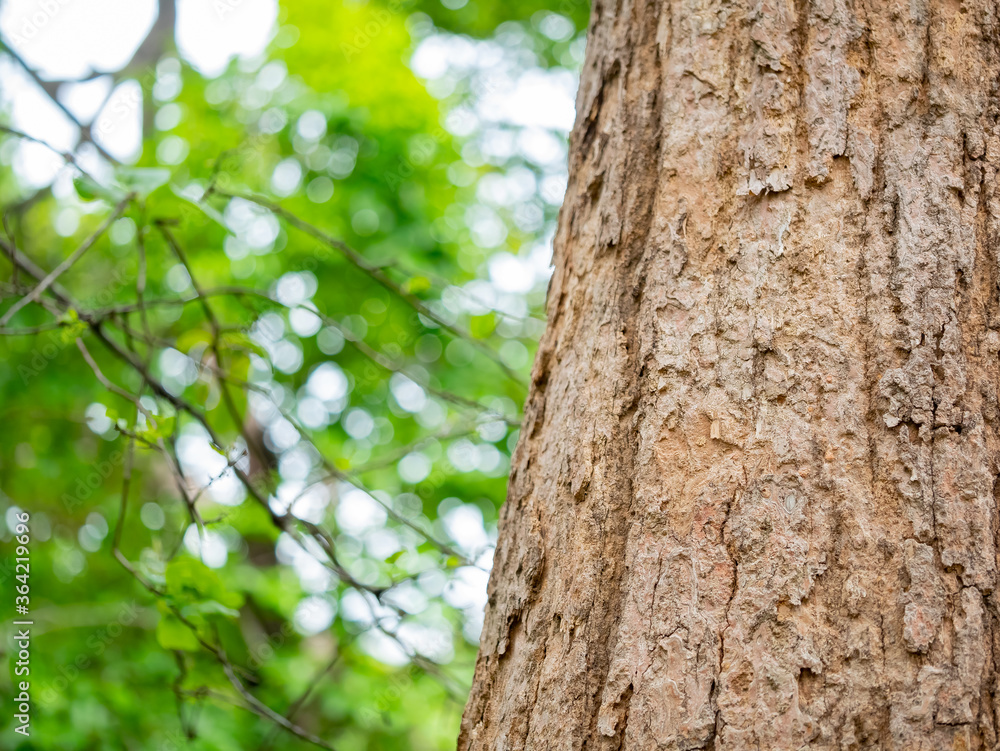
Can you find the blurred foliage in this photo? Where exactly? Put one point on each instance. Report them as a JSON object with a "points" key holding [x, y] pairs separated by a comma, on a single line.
{"points": [[262, 425]]}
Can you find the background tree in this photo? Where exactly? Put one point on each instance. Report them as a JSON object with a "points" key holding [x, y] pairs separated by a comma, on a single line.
{"points": [[260, 376], [753, 505]]}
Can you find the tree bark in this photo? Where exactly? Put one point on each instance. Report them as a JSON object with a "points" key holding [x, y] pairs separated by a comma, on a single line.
{"points": [[754, 502]]}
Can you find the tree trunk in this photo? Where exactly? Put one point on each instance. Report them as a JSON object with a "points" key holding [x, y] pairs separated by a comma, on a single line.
{"points": [[753, 505]]}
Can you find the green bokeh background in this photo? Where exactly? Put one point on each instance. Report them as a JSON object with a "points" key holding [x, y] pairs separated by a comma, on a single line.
{"points": [[421, 199]]}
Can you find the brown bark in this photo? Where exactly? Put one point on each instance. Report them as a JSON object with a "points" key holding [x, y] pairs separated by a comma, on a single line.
{"points": [[753, 505]]}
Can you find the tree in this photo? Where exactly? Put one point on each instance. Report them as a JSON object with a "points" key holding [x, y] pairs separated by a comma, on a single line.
{"points": [[258, 388], [753, 504]]}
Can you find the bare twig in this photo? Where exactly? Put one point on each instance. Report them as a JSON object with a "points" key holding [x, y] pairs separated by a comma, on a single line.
{"points": [[378, 274], [45, 283], [303, 698], [108, 384], [85, 132]]}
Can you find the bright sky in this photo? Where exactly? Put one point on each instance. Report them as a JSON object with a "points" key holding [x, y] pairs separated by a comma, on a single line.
{"points": [[69, 39]]}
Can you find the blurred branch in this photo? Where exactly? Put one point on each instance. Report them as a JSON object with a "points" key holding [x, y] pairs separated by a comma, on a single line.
{"points": [[253, 441], [379, 358], [66, 155], [85, 130], [258, 707], [111, 326], [376, 273], [107, 383], [303, 698], [159, 39], [49, 278]]}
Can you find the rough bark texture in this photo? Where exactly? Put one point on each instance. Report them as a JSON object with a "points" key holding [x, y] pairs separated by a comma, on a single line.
{"points": [[754, 504]]}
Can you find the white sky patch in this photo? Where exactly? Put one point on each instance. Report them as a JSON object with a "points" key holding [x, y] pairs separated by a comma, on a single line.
{"points": [[356, 607], [72, 39], [358, 512], [465, 526], [33, 112], [97, 419], [438, 53], [208, 545], [327, 382], [537, 98], [308, 503], [383, 647], [119, 125], [407, 596], [409, 395], [512, 274], [294, 288], [84, 99], [209, 35], [414, 467], [314, 614], [381, 543], [467, 588], [430, 641], [67, 39], [507, 93]]}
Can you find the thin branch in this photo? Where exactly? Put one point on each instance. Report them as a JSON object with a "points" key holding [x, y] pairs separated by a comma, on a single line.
{"points": [[45, 283], [33, 330], [66, 155], [303, 698], [379, 358], [212, 480], [21, 261], [258, 707], [108, 384], [227, 398], [85, 132], [385, 361], [376, 273]]}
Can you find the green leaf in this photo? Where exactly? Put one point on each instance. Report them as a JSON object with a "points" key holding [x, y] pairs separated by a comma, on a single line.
{"points": [[172, 633], [209, 607], [164, 427], [417, 284], [191, 338], [204, 208], [238, 340], [73, 330], [142, 180], [191, 581], [482, 326], [90, 190]]}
